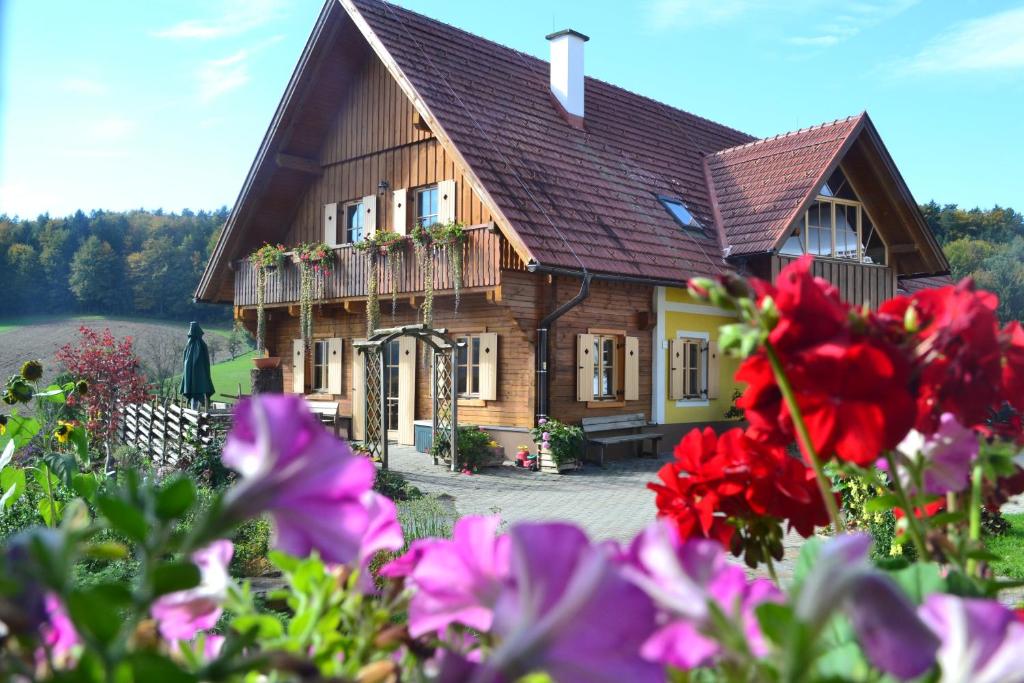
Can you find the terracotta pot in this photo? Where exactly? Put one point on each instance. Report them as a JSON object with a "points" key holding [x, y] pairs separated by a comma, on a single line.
{"points": [[267, 362]]}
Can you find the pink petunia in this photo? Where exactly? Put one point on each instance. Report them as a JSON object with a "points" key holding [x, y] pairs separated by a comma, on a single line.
{"points": [[181, 615]]}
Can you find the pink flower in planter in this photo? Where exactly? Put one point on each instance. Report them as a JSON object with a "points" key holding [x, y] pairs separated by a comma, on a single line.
{"points": [[456, 581], [981, 641], [182, 614], [683, 578], [310, 482], [541, 422], [58, 633], [545, 437], [546, 445]]}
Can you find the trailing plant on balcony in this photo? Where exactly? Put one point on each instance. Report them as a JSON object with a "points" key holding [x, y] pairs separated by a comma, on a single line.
{"points": [[315, 261], [266, 259], [380, 246], [448, 237]]}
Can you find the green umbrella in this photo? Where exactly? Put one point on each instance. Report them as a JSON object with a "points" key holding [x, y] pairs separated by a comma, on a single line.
{"points": [[196, 382]]}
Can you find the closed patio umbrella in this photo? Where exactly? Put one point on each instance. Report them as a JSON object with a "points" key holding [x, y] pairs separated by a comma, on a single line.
{"points": [[196, 382]]}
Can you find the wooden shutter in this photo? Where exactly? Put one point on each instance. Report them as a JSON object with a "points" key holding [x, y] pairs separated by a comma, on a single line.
{"points": [[406, 389], [676, 369], [369, 214], [632, 374], [488, 388], [358, 395], [298, 366], [398, 219], [334, 358], [584, 367], [714, 372], [331, 229], [446, 201]]}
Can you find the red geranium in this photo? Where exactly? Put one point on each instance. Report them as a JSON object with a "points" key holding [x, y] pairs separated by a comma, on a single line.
{"points": [[715, 478], [851, 388], [1012, 339]]}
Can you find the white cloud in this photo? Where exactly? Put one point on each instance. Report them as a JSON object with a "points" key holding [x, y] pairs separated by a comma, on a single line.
{"points": [[991, 43], [219, 76], [850, 18], [236, 17], [675, 13], [84, 86]]}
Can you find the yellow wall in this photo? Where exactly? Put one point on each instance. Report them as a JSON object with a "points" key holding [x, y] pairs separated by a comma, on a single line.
{"points": [[698, 322]]}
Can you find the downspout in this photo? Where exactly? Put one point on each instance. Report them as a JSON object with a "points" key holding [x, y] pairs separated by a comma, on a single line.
{"points": [[541, 403]]}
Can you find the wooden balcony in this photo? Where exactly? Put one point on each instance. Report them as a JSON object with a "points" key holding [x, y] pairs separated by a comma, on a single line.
{"points": [[485, 254], [858, 283]]}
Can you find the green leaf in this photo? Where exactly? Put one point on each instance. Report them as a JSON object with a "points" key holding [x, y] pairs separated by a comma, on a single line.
{"points": [[174, 576], [20, 429], [149, 666], [49, 510], [264, 626], [85, 484], [64, 466], [80, 439], [45, 477], [982, 554], [12, 486], [124, 517], [175, 498], [942, 518], [94, 614], [106, 550], [809, 553], [775, 620], [52, 394], [920, 580], [881, 503]]}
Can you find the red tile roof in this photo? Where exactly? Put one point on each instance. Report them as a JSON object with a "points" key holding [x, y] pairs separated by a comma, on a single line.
{"points": [[910, 285], [574, 197], [760, 186]]}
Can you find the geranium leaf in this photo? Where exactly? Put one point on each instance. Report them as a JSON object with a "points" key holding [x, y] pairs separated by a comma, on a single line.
{"points": [[123, 517], [881, 503], [920, 580], [174, 576], [175, 498]]}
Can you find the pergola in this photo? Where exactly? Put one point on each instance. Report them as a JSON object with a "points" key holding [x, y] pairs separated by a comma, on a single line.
{"points": [[445, 414]]}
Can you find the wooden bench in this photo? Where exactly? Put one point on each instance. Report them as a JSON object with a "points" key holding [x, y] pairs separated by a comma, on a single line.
{"points": [[334, 414], [632, 424]]}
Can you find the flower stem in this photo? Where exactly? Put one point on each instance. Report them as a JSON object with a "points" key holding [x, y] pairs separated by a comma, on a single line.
{"points": [[908, 508], [974, 532], [804, 437]]}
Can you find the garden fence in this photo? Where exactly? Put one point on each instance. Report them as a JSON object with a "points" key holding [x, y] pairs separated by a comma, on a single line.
{"points": [[165, 431]]}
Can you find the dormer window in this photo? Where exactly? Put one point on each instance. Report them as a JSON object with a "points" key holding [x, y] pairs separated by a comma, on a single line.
{"points": [[683, 215], [836, 225]]}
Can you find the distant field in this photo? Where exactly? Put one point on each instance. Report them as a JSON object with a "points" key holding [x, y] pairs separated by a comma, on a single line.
{"points": [[229, 374], [157, 343]]}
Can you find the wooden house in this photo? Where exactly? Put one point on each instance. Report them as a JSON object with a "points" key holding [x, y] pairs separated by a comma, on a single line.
{"points": [[587, 208]]}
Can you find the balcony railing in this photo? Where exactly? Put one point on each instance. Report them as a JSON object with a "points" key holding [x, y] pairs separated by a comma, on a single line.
{"points": [[858, 283], [485, 254]]}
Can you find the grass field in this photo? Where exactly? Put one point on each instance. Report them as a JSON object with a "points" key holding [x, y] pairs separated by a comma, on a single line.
{"points": [[1010, 547], [10, 324], [229, 374]]}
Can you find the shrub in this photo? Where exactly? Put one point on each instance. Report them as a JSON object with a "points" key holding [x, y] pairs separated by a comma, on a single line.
{"points": [[565, 442], [474, 446]]}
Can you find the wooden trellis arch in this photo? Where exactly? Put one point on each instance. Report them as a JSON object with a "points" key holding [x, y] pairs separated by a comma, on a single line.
{"points": [[445, 415]]}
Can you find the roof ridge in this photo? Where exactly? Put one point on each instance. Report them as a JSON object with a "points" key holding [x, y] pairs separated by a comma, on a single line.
{"points": [[787, 134], [539, 60]]}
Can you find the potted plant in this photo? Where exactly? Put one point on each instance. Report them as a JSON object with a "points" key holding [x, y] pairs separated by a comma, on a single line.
{"points": [[558, 445], [265, 260], [380, 246]]}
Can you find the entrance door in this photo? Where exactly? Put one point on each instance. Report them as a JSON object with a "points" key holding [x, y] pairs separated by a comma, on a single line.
{"points": [[392, 360]]}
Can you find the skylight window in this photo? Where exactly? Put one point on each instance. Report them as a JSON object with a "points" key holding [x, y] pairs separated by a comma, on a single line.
{"points": [[681, 213]]}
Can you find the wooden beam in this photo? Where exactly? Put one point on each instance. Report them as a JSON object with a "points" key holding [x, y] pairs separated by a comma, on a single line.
{"points": [[903, 248], [297, 163], [293, 311], [419, 123], [347, 305]]}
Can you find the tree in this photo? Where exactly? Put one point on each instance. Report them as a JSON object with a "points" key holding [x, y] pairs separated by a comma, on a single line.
{"points": [[95, 276], [238, 340], [23, 279], [113, 373]]}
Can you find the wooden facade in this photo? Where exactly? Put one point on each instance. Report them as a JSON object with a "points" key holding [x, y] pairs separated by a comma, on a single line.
{"points": [[858, 283]]}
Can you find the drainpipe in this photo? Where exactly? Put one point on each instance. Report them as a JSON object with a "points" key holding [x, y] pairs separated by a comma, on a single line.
{"points": [[541, 406]]}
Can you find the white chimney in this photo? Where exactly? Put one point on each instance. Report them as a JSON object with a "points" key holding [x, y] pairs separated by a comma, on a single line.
{"points": [[567, 70]]}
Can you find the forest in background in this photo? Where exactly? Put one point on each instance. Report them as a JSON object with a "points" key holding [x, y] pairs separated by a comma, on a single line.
{"points": [[147, 263]]}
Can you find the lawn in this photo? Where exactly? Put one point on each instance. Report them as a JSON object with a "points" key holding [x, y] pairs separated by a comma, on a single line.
{"points": [[1010, 547], [229, 374]]}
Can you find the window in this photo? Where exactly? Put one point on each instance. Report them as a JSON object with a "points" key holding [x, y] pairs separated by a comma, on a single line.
{"points": [[605, 366], [682, 214], [467, 367], [693, 367], [426, 206], [354, 222], [321, 354], [693, 386], [836, 226]]}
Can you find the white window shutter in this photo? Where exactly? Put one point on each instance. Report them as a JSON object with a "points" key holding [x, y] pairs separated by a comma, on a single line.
{"points": [[298, 366], [334, 358], [331, 229], [398, 219], [488, 388], [358, 395], [370, 214], [584, 367], [632, 373], [406, 389], [677, 369], [446, 201], [713, 371]]}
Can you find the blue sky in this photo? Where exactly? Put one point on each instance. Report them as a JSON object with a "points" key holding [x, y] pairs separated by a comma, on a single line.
{"points": [[122, 104]]}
